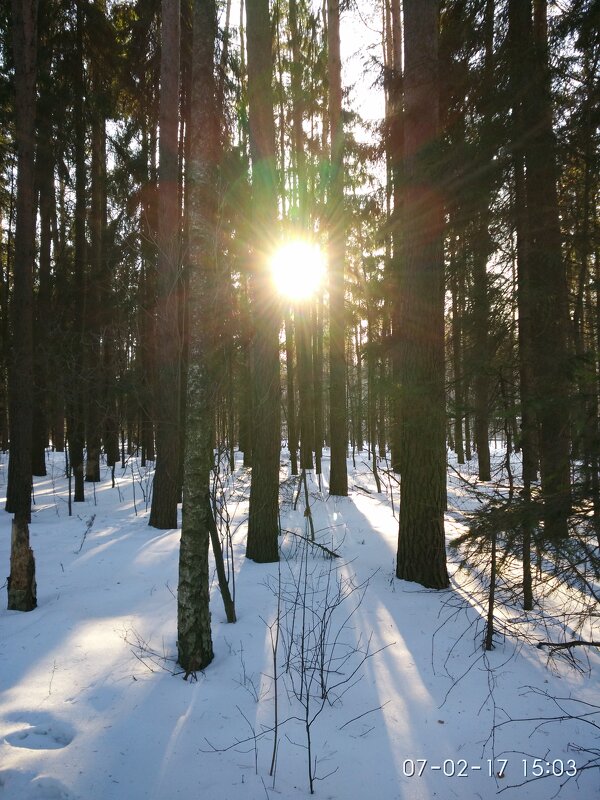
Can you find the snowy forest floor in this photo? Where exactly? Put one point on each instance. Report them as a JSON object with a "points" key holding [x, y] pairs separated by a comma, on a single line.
{"points": [[402, 701]]}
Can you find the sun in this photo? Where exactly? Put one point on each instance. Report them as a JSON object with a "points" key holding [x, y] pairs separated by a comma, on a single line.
{"points": [[298, 268]]}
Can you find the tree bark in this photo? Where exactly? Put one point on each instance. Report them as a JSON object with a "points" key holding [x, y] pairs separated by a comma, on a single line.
{"points": [[291, 393], [547, 284], [18, 497], [338, 480], [263, 519], [21, 583], [95, 289], [166, 490], [396, 145], [75, 391], [318, 379], [358, 416], [457, 291], [483, 247], [147, 288], [421, 542], [302, 314], [194, 636], [42, 337]]}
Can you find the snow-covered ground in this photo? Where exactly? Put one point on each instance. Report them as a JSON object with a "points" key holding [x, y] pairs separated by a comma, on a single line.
{"points": [[403, 701]]}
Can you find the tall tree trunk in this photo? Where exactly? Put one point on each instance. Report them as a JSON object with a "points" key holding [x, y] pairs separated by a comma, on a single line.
{"points": [[302, 315], [75, 391], [421, 543], [42, 339], [291, 393], [371, 380], [263, 519], [481, 314], [166, 491], [483, 248], [457, 291], [297, 117], [338, 481], [147, 289], [94, 291], [358, 417], [4, 325], [194, 635], [528, 417], [547, 276], [61, 290], [585, 313], [318, 379], [396, 146], [246, 397], [186, 45], [381, 408], [303, 320], [21, 583]]}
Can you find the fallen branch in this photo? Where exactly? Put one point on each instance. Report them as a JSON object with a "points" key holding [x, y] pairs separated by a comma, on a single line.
{"points": [[566, 645], [329, 552]]}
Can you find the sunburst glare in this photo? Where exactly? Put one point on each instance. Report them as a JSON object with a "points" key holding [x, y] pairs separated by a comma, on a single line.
{"points": [[298, 268]]}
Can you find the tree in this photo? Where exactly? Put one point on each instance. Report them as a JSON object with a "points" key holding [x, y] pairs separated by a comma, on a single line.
{"points": [[548, 286], [96, 284], [483, 247], [394, 145], [338, 481], [263, 520], [542, 274], [166, 490], [302, 313], [421, 544], [21, 583], [75, 370], [193, 617], [44, 166]]}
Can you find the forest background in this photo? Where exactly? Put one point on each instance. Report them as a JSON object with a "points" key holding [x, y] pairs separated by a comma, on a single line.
{"points": [[155, 157]]}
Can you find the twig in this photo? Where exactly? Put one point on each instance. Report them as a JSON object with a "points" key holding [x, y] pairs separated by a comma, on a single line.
{"points": [[364, 714], [329, 552], [88, 527]]}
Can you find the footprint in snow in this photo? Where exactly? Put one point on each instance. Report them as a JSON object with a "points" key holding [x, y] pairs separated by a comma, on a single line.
{"points": [[49, 789], [29, 786], [40, 737]]}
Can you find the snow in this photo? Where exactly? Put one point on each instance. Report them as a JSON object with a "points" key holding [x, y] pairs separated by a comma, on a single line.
{"points": [[90, 709]]}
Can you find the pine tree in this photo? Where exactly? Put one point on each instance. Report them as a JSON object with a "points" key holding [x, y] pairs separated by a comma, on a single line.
{"points": [[338, 481], [543, 271], [166, 491], [421, 544], [263, 520], [21, 583]]}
